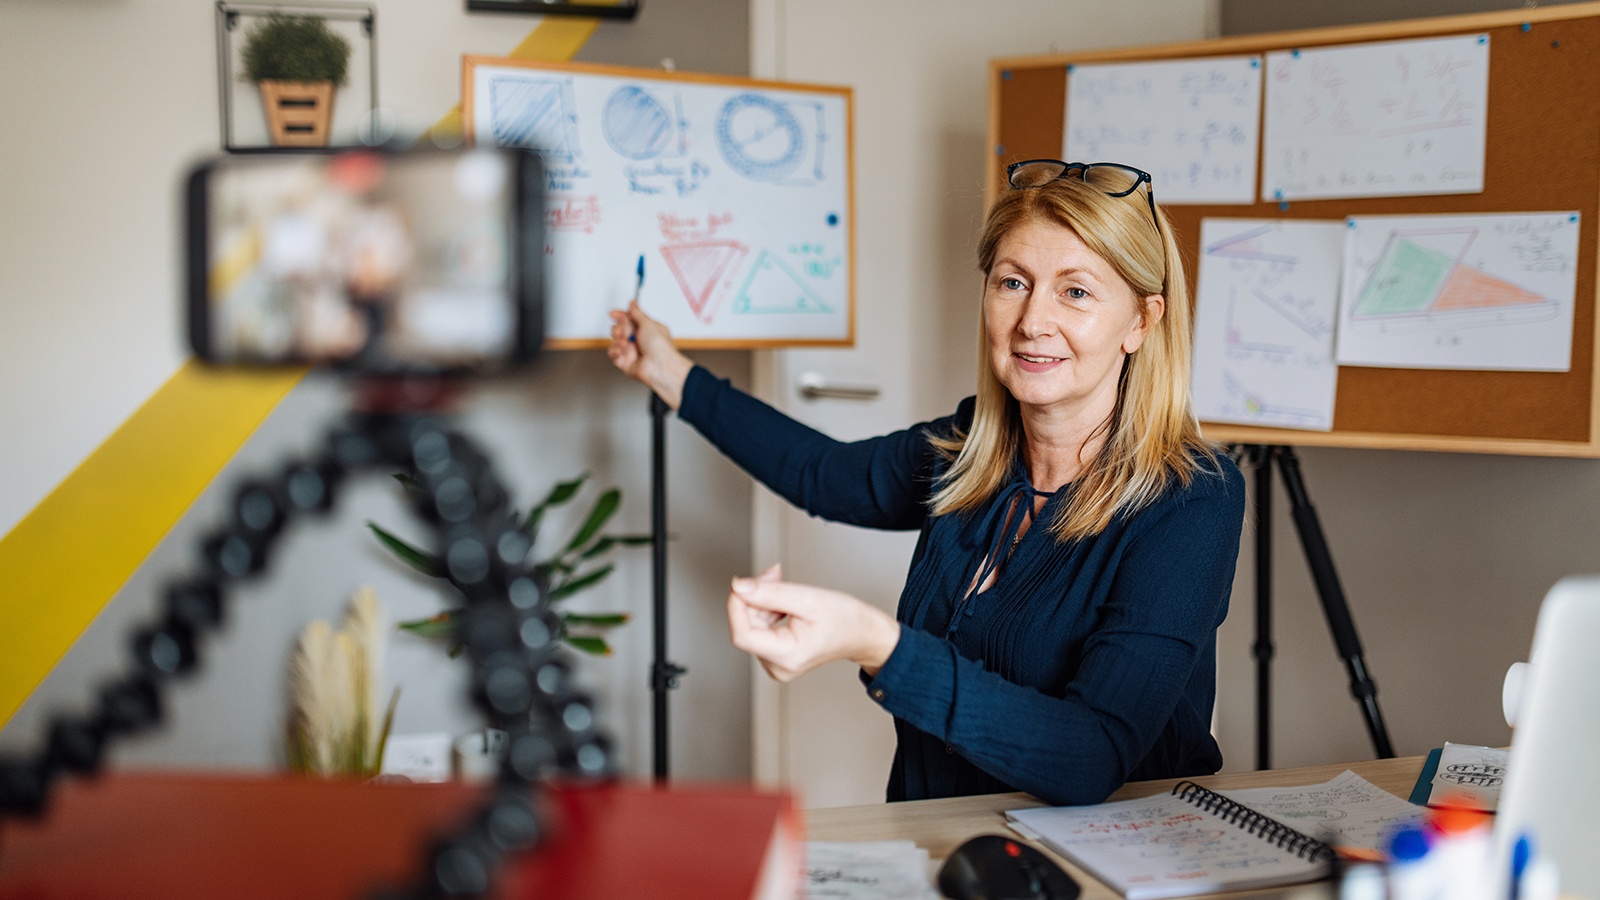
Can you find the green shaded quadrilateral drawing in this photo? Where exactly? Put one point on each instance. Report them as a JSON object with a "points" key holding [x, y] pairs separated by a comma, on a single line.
{"points": [[773, 287], [1412, 280]]}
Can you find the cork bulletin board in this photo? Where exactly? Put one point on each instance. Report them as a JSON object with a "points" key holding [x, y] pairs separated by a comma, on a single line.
{"points": [[1542, 152]]}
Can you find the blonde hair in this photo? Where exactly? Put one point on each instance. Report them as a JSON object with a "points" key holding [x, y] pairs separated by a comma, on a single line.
{"points": [[1152, 435]]}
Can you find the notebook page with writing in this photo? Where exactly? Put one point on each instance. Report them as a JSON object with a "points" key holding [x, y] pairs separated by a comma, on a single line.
{"points": [[1162, 846], [1348, 810]]}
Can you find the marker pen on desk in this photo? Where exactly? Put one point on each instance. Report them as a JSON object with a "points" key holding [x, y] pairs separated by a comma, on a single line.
{"points": [[1410, 876], [1533, 877], [1521, 853]]}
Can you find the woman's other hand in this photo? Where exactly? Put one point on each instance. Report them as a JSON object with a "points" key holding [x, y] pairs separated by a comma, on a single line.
{"points": [[642, 349], [794, 628]]}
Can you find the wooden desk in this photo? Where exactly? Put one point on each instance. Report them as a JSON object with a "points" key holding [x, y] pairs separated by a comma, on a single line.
{"points": [[939, 826]]}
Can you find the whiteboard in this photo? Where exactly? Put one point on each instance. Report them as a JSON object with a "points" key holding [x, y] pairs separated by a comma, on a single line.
{"points": [[1193, 124], [737, 194]]}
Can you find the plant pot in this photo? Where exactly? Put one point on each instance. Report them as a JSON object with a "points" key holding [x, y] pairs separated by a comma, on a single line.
{"points": [[299, 113]]}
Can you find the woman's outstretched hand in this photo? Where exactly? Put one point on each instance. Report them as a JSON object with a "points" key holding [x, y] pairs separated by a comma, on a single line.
{"points": [[794, 628], [642, 349]]}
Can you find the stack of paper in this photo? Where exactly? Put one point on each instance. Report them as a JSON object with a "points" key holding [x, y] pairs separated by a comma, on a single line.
{"points": [[858, 870]]}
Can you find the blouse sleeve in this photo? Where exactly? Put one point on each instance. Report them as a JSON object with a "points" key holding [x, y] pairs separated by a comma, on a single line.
{"points": [[1167, 598], [881, 482]]}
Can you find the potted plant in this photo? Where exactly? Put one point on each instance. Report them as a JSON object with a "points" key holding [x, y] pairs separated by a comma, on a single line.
{"points": [[297, 61], [579, 564]]}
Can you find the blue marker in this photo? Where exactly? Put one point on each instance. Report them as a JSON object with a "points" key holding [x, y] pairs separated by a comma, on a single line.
{"points": [[638, 287], [1521, 855]]}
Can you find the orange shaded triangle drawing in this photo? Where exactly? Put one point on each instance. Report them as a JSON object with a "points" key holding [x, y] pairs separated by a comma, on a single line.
{"points": [[699, 267], [1470, 288]]}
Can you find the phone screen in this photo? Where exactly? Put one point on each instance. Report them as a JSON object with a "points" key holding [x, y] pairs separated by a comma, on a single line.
{"points": [[402, 262]]}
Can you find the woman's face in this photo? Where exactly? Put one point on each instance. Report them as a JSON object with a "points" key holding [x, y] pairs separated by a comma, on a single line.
{"points": [[1060, 320]]}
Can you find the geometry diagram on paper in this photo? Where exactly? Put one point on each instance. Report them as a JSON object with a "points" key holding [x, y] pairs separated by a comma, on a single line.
{"points": [[704, 271], [1264, 322], [1413, 280], [535, 113], [1459, 292], [771, 140], [774, 287]]}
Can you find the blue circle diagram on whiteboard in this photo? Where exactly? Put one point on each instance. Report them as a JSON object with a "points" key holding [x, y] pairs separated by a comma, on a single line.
{"points": [[635, 124], [759, 137]]}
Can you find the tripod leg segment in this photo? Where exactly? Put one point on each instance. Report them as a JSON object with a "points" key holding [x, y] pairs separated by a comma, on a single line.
{"points": [[1334, 607], [1260, 456]]}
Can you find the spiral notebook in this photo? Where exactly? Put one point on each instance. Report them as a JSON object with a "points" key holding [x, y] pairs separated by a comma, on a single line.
{"points": [[1197, 841]]}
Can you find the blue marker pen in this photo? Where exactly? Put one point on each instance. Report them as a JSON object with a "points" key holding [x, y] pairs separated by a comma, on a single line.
{"points": [[638, 287], [1521, 855]]}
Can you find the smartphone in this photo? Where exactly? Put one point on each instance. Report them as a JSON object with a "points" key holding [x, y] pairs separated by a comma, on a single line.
{"points": [[368, 261]]}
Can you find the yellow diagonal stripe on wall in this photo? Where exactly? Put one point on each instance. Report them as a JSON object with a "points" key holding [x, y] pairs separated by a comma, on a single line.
{"points": [[70, 555]]}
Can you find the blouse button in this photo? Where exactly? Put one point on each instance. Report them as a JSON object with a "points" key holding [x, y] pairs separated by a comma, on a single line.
{"points": [[949, 749], [877, 693]]}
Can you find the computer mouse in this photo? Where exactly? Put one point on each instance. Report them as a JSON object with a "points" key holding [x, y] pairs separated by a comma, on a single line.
{"points": [[995, 867]]}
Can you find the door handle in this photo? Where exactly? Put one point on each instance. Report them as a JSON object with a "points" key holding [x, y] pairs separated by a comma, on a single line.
{"points": [[813, 386]]}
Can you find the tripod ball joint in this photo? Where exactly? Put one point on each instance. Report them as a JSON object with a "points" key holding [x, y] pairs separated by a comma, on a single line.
{"points": [[461, 866], [196, 604], [258, 510], [24, 786], [130, 705], [530, 756], [165, 650], [505, 686], [232, 555], [308, 486], [591, 757], [75, 745]]}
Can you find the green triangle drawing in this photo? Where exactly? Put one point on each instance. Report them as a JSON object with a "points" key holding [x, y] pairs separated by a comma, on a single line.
{"points": [[773, 287]]}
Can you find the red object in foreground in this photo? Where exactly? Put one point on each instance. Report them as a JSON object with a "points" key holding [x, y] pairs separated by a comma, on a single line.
{"points": [[176, 837]]}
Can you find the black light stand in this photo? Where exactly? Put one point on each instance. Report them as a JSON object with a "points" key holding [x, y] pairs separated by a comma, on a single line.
{"points": [[663, 674], [1334, 608]]}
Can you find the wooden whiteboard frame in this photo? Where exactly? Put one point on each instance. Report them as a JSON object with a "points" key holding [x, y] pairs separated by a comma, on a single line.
{"points": [[1022, 89], [470, 62]]}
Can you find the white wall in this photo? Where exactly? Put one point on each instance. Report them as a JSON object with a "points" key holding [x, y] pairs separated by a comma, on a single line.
{"points": [[89, 327]]}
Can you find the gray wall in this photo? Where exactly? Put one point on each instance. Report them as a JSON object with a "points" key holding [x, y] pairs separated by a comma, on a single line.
{"points": [[1258, 16], [1444, 557]]}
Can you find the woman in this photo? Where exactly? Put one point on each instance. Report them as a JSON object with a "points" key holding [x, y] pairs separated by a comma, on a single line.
{"points": [[1064, 659]]}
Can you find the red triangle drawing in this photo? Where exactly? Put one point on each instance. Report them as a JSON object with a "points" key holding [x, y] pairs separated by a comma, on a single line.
{"points": [[699, 267], [1470, 288]]}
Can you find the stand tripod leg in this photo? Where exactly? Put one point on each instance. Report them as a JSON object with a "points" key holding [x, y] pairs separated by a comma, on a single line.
{"points": [[1262, 650], [663, 674], [1340, 623]]}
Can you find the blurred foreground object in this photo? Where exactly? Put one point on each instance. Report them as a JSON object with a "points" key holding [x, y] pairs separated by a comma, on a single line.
{"points": [[336, 685]]}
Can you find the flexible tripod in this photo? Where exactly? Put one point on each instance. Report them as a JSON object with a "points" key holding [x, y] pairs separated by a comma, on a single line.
{"points": [[507, 629], [1340, 623]]}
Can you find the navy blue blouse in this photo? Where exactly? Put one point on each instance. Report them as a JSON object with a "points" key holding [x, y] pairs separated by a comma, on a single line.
{"points": [[1084, 665]]}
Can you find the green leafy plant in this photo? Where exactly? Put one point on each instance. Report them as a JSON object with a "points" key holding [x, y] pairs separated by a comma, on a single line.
{"points": [[295, 48], [579, 565]]}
